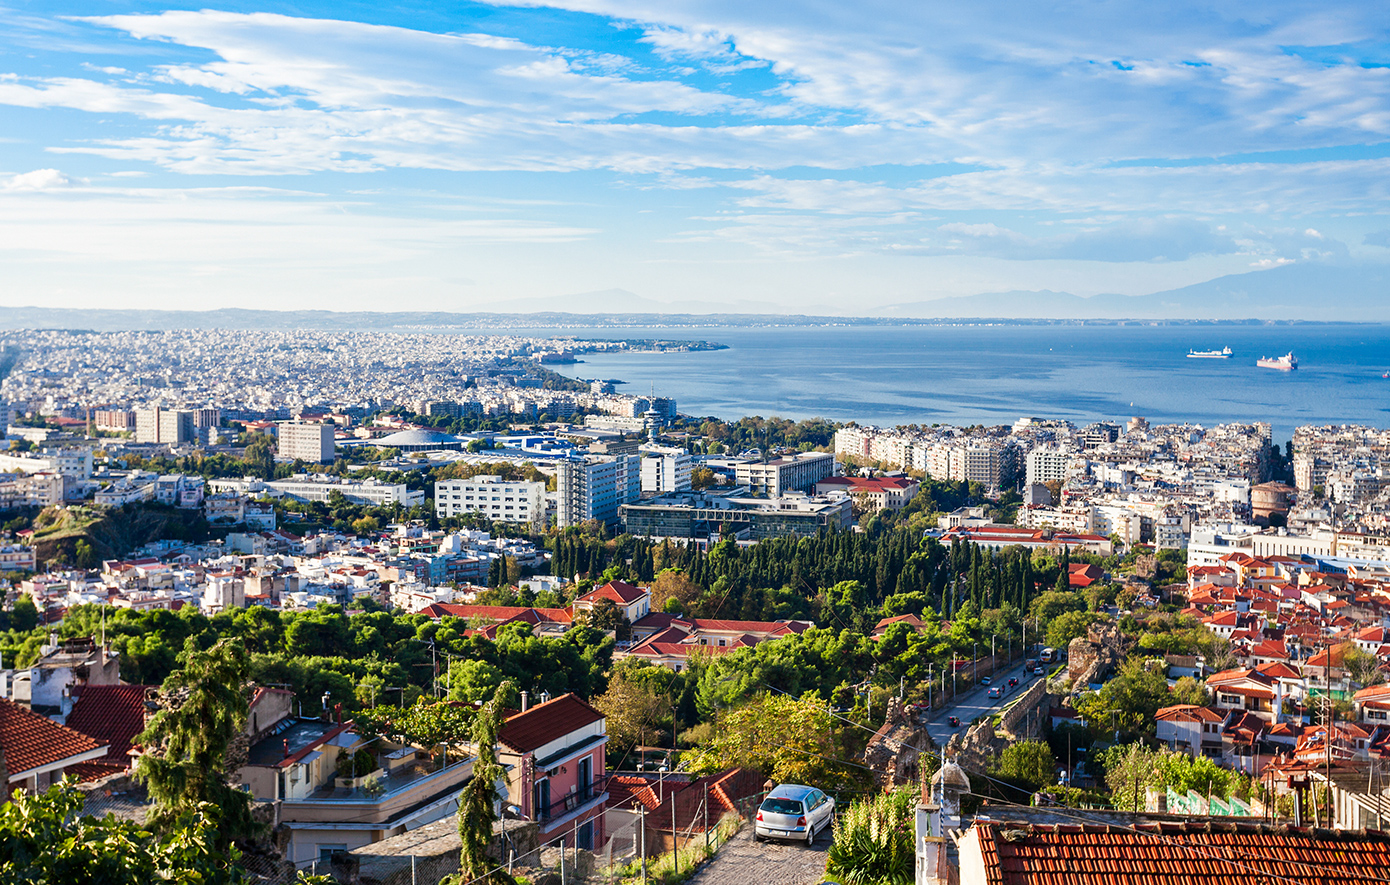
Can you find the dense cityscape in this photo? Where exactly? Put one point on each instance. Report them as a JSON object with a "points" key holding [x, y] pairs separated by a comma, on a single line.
{"points": [[416, 558]]}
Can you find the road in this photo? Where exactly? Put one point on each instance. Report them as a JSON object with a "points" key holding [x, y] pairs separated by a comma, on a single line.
{"points": [[742, 861], [973, 704]]}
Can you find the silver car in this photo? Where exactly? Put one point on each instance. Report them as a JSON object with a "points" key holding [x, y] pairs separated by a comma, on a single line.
{"points": [[793, 811]]}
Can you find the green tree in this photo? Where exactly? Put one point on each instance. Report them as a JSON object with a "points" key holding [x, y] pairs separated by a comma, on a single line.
{"points": [[478, 800], [1068, 626], [25, 615], [787, 739], [1190, 690], [202, 713], [83, 555], [1026, 763], [633, 709], [1051, 604], [1362, 666], [44, 839]]}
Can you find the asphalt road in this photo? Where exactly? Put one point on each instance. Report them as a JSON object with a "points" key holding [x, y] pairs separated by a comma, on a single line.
{"points": [[973, 704], [743, 861]]}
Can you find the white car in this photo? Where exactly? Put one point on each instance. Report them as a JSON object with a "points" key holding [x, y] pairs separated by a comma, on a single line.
{"points": [[794, 811]]}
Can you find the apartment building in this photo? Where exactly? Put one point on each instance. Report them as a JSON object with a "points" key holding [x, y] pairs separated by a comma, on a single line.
{"points": [[665, 469], [170, 426], [491, 496], [793, 473], [595, 487], [300, 441], [1047, 465]]}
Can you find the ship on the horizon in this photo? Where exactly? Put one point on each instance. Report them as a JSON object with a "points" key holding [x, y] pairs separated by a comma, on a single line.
{"points": [[1222, 354], [1286, 363]]}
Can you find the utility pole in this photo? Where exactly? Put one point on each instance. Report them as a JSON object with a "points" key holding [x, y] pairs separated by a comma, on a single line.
{"points": [[644, 845], [1329, 720], [675, 845]]}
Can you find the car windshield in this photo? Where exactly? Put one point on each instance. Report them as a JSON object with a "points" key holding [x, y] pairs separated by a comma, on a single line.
{"points": [[782, 806]]}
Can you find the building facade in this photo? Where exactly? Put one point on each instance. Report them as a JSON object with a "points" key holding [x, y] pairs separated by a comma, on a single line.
{"points": [[299, 441], [491, 496]]}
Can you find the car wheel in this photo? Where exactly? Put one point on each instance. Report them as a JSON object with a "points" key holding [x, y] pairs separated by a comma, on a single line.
{"points": [[811, 834]]}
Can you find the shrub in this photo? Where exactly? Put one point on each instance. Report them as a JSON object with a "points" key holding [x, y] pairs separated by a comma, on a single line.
{"points": [[874, 840]]}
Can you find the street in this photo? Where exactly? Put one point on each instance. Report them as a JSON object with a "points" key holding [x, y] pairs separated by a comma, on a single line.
{"points": [[743, 860], [975, 703]]}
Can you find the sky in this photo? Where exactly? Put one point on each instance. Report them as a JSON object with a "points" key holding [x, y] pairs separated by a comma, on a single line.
{"points": [[811, 156]]}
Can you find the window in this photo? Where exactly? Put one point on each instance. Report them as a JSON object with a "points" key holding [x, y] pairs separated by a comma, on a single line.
{"points": [[327, 851], [542, 800]]}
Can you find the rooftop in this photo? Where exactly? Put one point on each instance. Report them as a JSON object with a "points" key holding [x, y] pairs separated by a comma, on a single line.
{"points": [[1170, 854]]}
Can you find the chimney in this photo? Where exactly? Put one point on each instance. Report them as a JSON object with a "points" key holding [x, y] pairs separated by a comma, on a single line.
{"points": [[339, 709], [525, 701]]}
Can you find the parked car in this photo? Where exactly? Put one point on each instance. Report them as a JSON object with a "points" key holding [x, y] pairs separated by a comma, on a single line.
{"points": [[794, 811], [953, 721], [995, 692], [984, 680]]}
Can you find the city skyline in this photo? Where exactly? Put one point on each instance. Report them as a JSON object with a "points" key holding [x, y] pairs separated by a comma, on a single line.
{"points": [[804, 159]]}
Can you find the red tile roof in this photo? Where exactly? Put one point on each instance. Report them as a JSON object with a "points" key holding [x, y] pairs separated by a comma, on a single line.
{"points": [[31, 741], [1168, 854], [113, 715], [620, 592], [543, 723], [439, 610]]}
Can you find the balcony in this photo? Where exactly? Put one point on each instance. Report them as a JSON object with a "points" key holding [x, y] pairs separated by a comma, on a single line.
{"points": [[571, 805], [403, 788]]}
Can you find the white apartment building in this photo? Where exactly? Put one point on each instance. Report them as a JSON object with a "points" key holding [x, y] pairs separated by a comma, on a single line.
{"points": [[299, 441], [76, 463], [160, 425], [491, 496], [1047, 465], [794, 473], [665, 469], [595, 487], [1076, 520], [369, 491], [30, 490]]}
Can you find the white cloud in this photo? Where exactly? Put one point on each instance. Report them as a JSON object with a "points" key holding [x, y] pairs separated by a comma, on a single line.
{"points": [[38, 180]]}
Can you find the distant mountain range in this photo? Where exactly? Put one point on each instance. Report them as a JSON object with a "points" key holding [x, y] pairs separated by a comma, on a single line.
{"points": [[1350, 293], [1295, 292]]}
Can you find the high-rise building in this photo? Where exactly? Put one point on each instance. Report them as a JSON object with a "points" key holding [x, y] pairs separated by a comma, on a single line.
{"points": [[491, 496], [665, 469], [595, 487], [159, 425], [1047, 465], [306, 442], [794, 473]]}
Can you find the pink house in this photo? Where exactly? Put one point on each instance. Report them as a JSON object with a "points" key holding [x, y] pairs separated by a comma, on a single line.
{"points": [[557, 776]]}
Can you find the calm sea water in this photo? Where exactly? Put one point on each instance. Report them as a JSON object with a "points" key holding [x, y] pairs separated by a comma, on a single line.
{"points": [[995, 374]]}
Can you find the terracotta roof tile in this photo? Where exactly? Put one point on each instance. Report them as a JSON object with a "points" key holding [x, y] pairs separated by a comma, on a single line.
{"points": [[543, 723], [113, 715], [1167, 854], [30, 741]]}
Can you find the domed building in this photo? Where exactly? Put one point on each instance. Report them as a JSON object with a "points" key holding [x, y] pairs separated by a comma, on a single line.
{"points": [[419, 440]]}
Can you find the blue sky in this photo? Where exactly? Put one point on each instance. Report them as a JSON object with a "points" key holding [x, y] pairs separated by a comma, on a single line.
{"points": [[812, 156]]}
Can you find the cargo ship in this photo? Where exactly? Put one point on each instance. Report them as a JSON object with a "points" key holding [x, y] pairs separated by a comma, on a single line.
{"points": [[1286, 363], [1222, 354]]}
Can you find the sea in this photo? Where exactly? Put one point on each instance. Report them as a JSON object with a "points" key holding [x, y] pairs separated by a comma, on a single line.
{"points": [[995, 374]]}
